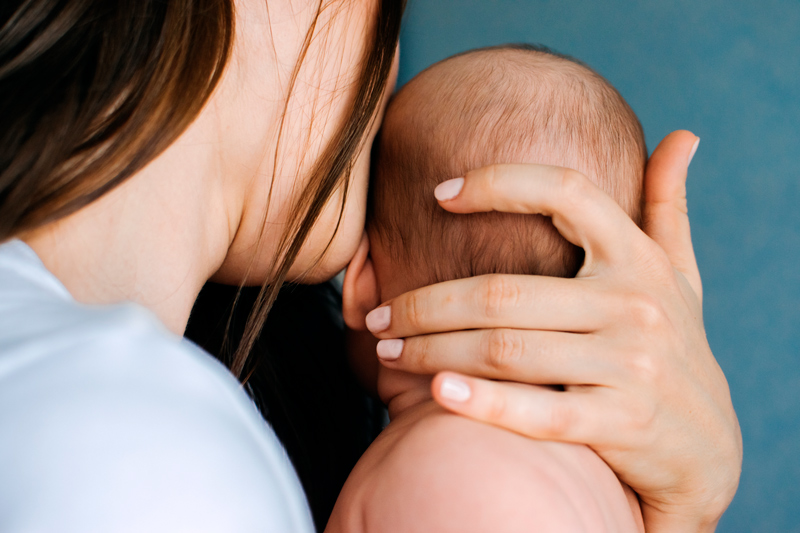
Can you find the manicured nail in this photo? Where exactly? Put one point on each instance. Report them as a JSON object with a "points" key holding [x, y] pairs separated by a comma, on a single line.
{"points": [[379, 319], [694, 149], [390, 349], [447, 190], [455, 390]]}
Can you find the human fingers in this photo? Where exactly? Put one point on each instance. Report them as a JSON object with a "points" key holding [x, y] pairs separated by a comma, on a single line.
{"points": [[494, 300], [581, 211], [534, 411], [681, 474], [665, 216], [542, 357]]}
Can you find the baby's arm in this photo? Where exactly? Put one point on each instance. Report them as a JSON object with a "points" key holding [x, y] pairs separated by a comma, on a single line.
{"points": [[434, 471]]}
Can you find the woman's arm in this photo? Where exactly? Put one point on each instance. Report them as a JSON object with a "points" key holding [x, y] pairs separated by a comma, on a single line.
{"points": [[625, 337]]}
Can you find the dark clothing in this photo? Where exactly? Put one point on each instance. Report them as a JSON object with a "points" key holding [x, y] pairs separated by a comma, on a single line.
{"points": [[301, 381]]}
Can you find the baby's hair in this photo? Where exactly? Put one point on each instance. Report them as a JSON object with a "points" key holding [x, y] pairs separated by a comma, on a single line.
{"points": [[506, 104]]}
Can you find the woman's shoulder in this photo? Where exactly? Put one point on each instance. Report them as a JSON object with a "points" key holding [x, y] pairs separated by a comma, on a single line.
{"points": [[48, 338], [111, 423]]}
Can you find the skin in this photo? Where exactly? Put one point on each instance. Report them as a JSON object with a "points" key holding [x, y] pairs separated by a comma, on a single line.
{"points": [[626, 337], [431, 470], [197, 212], [458, 474]]}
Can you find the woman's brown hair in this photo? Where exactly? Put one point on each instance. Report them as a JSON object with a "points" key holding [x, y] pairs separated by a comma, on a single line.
{"points": [[332, 169], [91, 91]]}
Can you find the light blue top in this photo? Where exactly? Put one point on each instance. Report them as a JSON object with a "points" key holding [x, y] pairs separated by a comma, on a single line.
{"points": [[110, 423]]}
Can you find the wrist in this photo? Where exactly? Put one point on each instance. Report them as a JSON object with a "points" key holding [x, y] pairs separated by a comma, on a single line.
{"points": [[656, 521]]}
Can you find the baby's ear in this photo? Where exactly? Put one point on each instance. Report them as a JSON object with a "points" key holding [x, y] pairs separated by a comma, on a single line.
{"points": [[360, 289]]}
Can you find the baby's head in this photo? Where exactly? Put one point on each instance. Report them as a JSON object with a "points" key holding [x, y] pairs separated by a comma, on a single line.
{"points": [[510, 104]]}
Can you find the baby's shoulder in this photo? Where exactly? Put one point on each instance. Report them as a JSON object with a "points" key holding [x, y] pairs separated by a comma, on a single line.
{"points": [[442, 472]]}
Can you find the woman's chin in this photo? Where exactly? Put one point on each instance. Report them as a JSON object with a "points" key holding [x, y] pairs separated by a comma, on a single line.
{"points": [[310, 268], [324, 270]]}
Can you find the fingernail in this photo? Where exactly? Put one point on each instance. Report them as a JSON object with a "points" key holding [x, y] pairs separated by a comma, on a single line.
{"points": [[390, 349], [379, 319], [447, 190], [455, 390], [694, 149]]}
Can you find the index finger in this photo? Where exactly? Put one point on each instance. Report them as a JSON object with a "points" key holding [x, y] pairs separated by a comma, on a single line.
{"points": [[490, 301], [583, 213]]}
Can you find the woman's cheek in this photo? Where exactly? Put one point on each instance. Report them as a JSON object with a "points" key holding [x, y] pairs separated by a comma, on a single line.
{"points": [[309, 266]]}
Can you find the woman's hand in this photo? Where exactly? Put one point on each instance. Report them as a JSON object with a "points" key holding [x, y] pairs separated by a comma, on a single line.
{"points": [[625, 338]]}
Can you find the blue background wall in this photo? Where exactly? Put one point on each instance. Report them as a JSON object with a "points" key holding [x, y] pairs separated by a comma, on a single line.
{"points": [[729, 70]]}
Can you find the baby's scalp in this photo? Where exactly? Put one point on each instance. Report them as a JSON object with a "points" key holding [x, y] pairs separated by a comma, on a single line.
{"points": [[509, 104]]}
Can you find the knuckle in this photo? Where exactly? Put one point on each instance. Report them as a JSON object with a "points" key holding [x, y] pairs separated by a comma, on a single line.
{"points": [[418, 353], [504, 349], [562, 418], [490, 176], [415, 310], [641, 416], [646, 368], [574, 187], [496, 408], [499, 293], [647, 312], [659, 264]]}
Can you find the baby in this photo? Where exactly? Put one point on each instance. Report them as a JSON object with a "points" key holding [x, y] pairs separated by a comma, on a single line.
{"points": [[431, 470]]}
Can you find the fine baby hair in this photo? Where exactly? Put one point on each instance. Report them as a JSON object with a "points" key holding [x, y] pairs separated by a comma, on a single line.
{"points": [[506, 104]]}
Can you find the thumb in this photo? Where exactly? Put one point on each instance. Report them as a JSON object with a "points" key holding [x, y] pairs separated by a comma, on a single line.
{"points": [[665, 216]]}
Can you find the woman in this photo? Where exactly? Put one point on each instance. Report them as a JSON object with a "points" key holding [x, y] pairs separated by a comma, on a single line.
{"points": [[148, 147]]}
